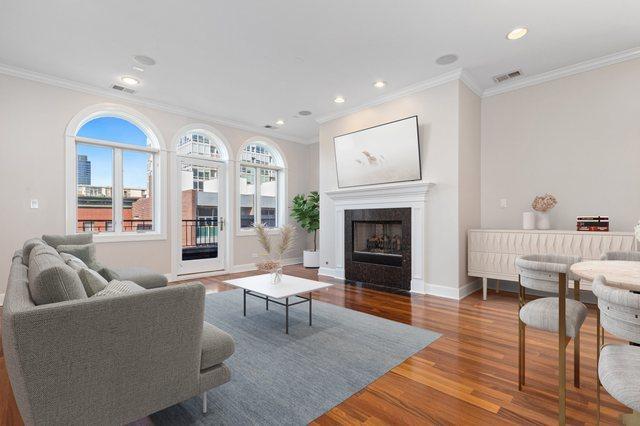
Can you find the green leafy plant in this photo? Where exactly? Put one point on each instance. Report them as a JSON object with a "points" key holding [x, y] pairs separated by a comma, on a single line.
{"points": [[306, 211]]}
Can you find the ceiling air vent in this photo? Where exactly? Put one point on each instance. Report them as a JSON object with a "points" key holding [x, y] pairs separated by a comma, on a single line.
{"points": [[122, 89], [508, 76]]}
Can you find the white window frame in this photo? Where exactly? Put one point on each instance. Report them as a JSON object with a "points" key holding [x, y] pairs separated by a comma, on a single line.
{"points": [[281, 168], [159, 162]]}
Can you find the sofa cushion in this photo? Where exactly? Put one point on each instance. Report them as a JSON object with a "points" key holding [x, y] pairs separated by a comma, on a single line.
{"points": [[28, 246], [216, 346], [141, 276], [75, 263], [117, 288], [84, 252], [50, 279], [92, 281], [75, 239]]}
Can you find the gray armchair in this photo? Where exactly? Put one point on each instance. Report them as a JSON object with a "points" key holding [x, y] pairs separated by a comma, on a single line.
{"points": [[108, 360]]}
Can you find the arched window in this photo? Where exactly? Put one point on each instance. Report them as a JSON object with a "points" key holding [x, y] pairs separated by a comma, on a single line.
{"points": [[261, 185], [115, 173]]}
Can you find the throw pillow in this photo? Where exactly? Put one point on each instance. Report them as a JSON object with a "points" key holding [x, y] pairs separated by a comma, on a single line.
{"points": [[74, 239], [27, 247], [92, 281], [84, 252], [75, 263], [116, 288], [50, 279]]}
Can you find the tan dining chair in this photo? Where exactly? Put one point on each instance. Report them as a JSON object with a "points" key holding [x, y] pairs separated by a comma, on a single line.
{"points": [[550, 273], [618, 365]]}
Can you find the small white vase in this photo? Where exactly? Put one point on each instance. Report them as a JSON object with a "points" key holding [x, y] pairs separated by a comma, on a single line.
{"points": [[528, 220], [542, 221], [276, 276]]}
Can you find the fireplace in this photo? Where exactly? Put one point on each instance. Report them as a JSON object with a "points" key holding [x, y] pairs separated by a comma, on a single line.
{"points": [[378, 247]]}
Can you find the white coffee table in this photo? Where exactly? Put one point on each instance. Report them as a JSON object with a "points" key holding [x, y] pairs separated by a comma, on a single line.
{"points": [[260, 286]]}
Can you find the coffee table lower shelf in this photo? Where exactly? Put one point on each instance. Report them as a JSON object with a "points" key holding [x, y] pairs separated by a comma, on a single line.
{"points": [[286, 304]]}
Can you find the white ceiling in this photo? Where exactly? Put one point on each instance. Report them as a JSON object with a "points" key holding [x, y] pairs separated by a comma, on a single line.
{"points": [[255, 61]]}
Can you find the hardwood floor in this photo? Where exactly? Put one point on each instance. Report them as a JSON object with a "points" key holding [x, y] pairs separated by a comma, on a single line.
{"points": [[467, 376]]}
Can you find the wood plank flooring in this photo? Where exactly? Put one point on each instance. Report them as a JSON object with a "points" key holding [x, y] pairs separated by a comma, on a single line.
{"points": [[468, 376]]}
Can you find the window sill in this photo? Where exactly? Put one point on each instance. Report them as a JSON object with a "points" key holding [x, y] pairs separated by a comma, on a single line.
{"points": [[250, 232], [129, 237]]}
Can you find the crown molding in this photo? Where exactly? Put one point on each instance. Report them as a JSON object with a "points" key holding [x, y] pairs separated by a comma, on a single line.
{"points": [[580, 67], [405, 91], [146, 102]]}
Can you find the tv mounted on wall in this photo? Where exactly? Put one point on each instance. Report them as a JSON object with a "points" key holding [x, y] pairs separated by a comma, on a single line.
{"points": [[385, 153]]}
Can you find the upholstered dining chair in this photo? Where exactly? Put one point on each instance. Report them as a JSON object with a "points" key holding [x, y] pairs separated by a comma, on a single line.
{"points": [[633, 256], [618, 365], [550, 273]]}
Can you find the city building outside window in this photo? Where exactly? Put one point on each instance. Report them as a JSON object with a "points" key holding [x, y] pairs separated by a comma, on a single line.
{"points": [[260, 186], [115, 167]]}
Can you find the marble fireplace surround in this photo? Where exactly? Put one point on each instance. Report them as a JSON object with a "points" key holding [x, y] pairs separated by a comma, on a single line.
{"points": [[411, 195]]}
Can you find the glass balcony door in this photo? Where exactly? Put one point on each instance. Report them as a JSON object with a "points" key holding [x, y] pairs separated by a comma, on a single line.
{"points": [[201, 220]]}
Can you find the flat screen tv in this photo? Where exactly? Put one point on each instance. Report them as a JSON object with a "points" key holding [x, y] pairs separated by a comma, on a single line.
{"points": [[385, 153]]}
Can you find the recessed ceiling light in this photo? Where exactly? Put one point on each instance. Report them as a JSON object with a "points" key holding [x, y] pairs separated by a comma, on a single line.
{"points": [[144, 60], [339, 100], [446, 59], [280, 122], [131, 81], [517, 33], [139, 69], [380, 84]]}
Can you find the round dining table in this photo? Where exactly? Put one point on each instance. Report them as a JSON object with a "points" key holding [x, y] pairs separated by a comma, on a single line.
{"points": [[618, 273]]}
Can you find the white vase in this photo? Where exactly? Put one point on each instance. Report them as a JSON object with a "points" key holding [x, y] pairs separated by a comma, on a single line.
{"points": [[542, 221], [311, 259], [528, 220]]}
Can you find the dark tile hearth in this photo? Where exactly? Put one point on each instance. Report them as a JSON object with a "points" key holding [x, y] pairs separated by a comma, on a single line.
{"points": [[378, 248]]}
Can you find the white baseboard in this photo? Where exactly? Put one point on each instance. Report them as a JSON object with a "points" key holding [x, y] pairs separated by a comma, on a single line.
{"points": [[246, 267], [330, 272], [234, 269], [449, 292]]}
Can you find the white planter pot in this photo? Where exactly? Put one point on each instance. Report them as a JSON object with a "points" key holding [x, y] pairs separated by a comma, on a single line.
{"points": [[542, 221], [311, 259]]}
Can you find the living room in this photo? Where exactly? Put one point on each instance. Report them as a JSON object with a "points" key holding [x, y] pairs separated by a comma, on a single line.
{"points": [[285, 213]]}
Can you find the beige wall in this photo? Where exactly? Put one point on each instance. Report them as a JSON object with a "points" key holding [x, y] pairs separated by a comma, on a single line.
{"points": [[438, 111], [33, 120], [313, 161], [468, 174], [577, 137]]}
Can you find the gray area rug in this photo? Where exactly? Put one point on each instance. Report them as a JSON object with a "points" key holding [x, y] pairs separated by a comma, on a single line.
{"points": [[292, 379]]}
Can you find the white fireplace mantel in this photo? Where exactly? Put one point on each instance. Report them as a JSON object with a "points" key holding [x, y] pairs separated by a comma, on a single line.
{"points": [[411, 195]]}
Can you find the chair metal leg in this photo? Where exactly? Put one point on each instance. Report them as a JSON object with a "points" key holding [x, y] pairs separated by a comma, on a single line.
{"points": [[521, 337], [204, 402], [598, 347], [562, 355], [576, 341]]}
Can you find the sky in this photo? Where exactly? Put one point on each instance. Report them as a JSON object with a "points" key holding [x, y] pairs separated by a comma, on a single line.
{"points": [[116, 130]]}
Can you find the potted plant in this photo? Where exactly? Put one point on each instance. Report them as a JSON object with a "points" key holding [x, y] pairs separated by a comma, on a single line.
{"points": [[306, 211]]}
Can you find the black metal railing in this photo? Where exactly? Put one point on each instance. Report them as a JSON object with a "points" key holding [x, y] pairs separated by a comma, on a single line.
{"points": [[199, 232], [128, 225]]}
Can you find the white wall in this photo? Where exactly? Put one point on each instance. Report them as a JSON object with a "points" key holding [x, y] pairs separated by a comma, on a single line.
{"points": [[577, 137], [33, 119], [438, 111]]}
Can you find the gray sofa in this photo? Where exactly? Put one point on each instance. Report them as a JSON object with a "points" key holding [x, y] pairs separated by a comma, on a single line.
{"points": [[106, 360]]}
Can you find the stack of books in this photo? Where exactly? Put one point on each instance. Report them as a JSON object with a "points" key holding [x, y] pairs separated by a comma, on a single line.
{"points": [[592, 223]]}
